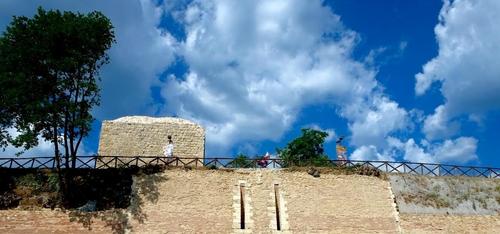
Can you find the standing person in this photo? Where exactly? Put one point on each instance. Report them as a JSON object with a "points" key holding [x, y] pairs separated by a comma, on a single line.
{"points": [[341, 152], [263, 162], [168, 150]]}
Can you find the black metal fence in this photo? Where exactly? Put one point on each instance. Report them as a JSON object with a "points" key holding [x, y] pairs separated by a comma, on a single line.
{"points": [[103, 162]]}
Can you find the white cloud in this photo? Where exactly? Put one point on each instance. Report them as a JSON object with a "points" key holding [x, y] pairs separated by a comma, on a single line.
{"points": [[253, 65], [459, 150], [381, 56], [142, 50], [331, 132], [467, 65], [369, 153], [462, 150], [374, 122], [439, 125], [43, 149], [415, 153]]}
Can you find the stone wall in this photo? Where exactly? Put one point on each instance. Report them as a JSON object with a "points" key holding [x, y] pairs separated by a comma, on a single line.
{"points": [[47, 221], [146, 136], [421, 223], [210, 204], [446, 195]]}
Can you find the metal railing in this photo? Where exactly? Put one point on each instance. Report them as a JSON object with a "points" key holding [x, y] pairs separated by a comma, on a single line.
{"points": [[103, 162]]}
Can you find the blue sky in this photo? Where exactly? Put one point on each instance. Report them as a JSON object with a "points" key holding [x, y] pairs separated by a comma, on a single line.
{"points": [[402, 80]]}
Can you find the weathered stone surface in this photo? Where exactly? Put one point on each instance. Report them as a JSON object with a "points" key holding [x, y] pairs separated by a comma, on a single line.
{"points": [[146, 136], [443, 195], [414, 223], [46, 221], [206, 201], [328, 204]]}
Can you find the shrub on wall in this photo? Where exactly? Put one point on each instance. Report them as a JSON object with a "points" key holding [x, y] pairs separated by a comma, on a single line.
{"points": [[241, 161], [306, 150]]}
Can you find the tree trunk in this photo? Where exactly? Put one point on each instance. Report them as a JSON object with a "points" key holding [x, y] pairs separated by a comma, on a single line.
{"points": [[57, 158], [66, 152], [56, 150]]}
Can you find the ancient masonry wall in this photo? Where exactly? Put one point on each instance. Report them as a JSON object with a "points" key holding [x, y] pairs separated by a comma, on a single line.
{"points": [[208, 201], [211, 203], [147, 136]]}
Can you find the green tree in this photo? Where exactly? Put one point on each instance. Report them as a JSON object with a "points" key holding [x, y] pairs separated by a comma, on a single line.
{"points": [[242, 161], [306, 150], [49, 70]]}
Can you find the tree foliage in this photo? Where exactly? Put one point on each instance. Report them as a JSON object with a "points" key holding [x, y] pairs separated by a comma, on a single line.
{"points": [[305, 150], [49, 74], [241, 161]]}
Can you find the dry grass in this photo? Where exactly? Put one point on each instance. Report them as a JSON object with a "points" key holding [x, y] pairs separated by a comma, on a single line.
{"points": [[461, 195], [342, 170]]}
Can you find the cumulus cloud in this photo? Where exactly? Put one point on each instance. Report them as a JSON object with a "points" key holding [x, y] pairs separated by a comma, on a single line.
{"points": [[370, 152], [142, 50], [415, 153], [467, 64], [459, 150], [439, 125], [374, 122], [462, 150], [43, 149], [253, 65], [331, 132]]}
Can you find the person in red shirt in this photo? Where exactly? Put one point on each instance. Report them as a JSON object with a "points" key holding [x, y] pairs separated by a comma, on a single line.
{"points": [[264, 161]]}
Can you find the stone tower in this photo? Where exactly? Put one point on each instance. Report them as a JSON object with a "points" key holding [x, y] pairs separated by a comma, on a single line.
{"points": [[146, 136]]}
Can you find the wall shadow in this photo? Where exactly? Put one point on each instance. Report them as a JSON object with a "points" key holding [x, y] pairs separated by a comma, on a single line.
{"points": [[138, 187], [113, 196]]}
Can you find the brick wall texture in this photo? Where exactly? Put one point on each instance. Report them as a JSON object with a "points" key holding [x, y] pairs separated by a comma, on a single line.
{"points": [[207, 201], [146, 136]]}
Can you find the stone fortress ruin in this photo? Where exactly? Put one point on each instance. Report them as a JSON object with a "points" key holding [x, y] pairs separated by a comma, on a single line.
{"points": [[132, 136], [257, 200]]}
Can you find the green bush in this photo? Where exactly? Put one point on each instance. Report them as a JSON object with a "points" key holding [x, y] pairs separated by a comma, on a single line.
{"points": [[241, 161], [31, 181], [52, 182], [306, 150]]}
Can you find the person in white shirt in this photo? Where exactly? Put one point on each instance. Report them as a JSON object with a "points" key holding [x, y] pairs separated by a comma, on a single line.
{"points": [[168, 150]]}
